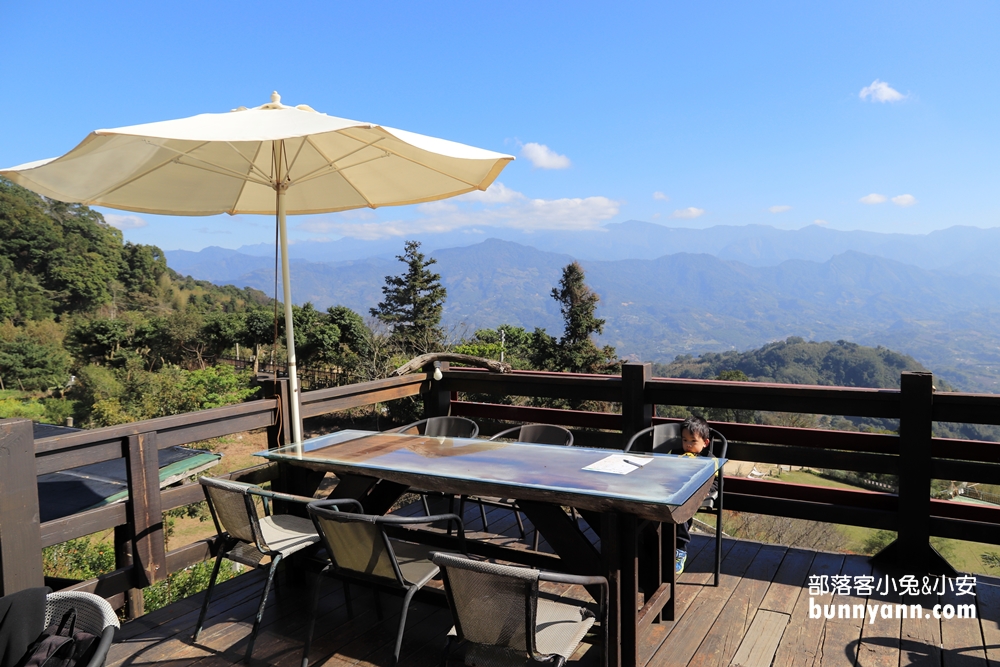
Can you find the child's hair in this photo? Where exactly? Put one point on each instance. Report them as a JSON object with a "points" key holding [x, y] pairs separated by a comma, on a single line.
{"points": [[697, 427]]}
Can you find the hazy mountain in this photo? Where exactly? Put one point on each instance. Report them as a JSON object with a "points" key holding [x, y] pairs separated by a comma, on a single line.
{"points": [[685, 303], [964, 250]]}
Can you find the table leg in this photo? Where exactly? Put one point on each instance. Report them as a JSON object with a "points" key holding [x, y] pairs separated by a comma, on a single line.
{"points": [[628, 539], [610, 561]]}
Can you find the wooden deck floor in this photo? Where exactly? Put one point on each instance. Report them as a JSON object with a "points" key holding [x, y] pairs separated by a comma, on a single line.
{"points": [[759, 615]]}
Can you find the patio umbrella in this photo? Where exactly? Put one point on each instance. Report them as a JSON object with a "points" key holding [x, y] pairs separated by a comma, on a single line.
{"points": [[272, 159]]}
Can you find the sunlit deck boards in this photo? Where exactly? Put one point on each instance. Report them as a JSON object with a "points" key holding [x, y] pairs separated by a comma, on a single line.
{"points": [[759, 613]]}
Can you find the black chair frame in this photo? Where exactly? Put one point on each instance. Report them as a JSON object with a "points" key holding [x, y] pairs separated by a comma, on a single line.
{"points": [[331, 508], [667, 436]]}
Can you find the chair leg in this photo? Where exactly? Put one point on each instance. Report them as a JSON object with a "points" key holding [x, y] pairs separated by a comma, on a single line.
{"points": [[482, 515], [312, 619], [260, 609], [718, 542], [402, 623], [520, 523], [208, 593], [347, 600], [427, 507]]}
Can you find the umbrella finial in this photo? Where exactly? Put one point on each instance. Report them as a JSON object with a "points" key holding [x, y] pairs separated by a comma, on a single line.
{"points": [[275, 98]]}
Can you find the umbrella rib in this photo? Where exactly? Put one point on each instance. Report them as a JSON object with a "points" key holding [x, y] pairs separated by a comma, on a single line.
{"points": [[218, 169], [136, 177], [331, 163], [253, 166], [252, 163], [427, 166], [291, 164]]}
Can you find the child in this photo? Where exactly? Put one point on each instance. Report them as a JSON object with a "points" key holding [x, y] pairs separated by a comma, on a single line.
{"points": [[696, 440]]}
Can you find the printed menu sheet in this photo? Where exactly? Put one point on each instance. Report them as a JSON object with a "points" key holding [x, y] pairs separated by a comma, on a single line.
{"points": [[619, 464]]}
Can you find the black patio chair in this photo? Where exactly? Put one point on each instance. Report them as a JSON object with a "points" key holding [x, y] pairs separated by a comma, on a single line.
{"points": [[439, 427], [541, 434], [664, 438], [360, 551], [246, 538], [501, 620]]}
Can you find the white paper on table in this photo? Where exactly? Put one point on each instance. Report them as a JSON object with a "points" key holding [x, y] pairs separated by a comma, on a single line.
{"points": [[619, 464]]}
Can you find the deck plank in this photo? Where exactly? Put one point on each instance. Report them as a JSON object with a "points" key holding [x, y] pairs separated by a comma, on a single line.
{"points": [[688, 633], [760, 610], [727, 632], [802, 639], [879, 646], [961, 638], [842, 636]]}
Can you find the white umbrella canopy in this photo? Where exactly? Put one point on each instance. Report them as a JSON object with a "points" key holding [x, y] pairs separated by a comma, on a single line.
{"points": [[273, 159]]}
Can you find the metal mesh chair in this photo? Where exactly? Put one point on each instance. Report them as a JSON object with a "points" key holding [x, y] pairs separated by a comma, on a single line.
{"points": [[360, 551], [246, 538], [542, 434], [93, 615], [439, 427], [665, 438], [500, 620]]}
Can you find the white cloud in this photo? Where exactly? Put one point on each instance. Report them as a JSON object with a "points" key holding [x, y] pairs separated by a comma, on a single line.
{"points": [[543, 157], [904, 200], [506, 208], [780, 209], [498, 193], [873, 198], [659, 196], [124, 221], [689, 213], [880, 91], [821, 223]]}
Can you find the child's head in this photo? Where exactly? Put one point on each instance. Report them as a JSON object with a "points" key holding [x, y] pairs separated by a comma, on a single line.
{"points": [[695, 435]]}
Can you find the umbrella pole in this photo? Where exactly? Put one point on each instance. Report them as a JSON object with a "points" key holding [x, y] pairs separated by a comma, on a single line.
{"points": [[293, 377]]}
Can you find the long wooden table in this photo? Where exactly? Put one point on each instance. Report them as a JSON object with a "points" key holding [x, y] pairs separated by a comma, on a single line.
{"points": [[665, 490]]}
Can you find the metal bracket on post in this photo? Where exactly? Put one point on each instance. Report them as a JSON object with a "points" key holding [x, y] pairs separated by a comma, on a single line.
{"points": [[912, 551], [437, 399], [637, 414]]}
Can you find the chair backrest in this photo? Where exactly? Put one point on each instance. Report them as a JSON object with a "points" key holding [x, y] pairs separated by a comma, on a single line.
{"points": [[93, 613], [493, 605], [356, 544], [665, 437], [443, 427], [232, 509], [543, 434]]}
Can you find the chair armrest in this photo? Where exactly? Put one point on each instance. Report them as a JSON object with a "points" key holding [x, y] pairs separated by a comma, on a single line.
{"points": [[103, 646], [337, 503], [631, 441], [505, 433], [579, 580], [393, 520]]}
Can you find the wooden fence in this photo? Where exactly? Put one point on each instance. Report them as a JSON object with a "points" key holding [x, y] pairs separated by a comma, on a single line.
{"points": [[914, 456]]}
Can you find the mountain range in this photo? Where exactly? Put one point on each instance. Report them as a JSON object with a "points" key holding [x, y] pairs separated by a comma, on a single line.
{"points": [[937, 297]]}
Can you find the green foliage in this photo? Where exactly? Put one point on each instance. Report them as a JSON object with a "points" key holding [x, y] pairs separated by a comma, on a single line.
{"points": [[185, 583], [796, 361], [507, 343], [13, 405], [575, 352], [82, 558], [991, 559], [32, 359], [878, 540], [131, 393], [413, 304]]}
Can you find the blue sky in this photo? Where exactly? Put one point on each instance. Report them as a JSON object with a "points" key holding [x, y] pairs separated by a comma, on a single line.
{"points": [[858, 115]]}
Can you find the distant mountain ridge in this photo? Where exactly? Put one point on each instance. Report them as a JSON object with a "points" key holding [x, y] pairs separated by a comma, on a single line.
{"points": [[687, 303], [960, 249]]}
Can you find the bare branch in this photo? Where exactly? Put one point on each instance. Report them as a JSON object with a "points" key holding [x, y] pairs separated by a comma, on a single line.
{"points": [[419, 362]]}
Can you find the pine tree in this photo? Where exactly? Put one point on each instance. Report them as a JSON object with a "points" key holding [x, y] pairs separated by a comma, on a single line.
{"points": [[413, 303], [575, 352]]}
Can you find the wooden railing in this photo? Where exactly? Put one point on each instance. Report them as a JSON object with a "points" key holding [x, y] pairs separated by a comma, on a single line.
{"points": [[913, 455]]}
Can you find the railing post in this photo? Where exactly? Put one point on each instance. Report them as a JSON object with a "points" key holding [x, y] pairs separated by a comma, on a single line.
{"points": [[912, 550], [437, 401], [637, 414], [145, 516], [20, 537], [279, 433]]}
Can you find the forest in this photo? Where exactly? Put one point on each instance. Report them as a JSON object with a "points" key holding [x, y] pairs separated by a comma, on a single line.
{"points": [[103, 331]]}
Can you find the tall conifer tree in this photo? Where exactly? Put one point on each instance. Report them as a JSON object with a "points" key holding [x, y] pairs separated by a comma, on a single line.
{"points": [[413, 303]]}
